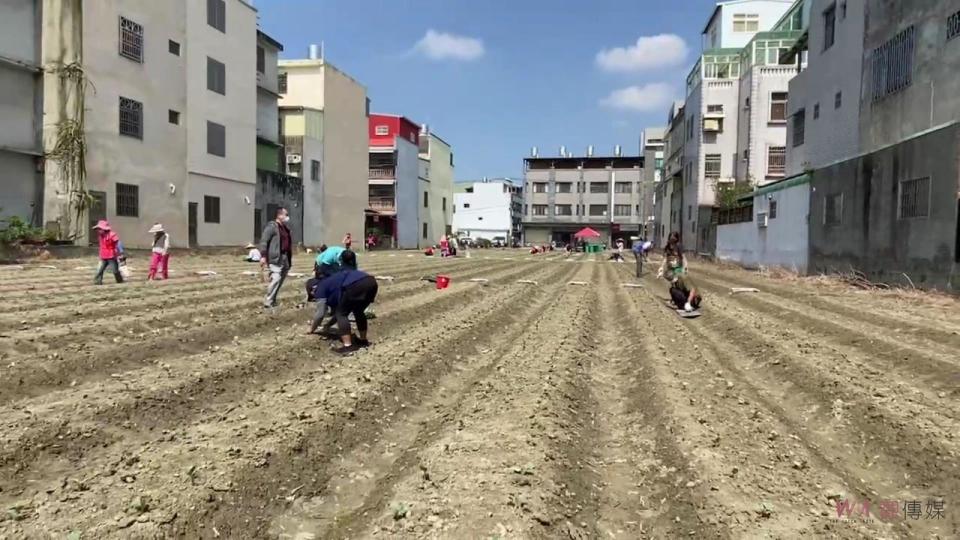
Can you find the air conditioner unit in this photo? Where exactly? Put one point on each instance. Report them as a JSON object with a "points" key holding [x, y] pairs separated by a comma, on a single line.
{"points": [[294, 158], [713, 124], [762, 220]]}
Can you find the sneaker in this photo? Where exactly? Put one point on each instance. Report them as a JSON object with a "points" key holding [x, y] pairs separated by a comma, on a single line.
{"points": [[362, 343]]}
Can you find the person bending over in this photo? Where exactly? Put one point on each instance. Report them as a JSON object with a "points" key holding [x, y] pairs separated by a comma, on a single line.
{"points": [[683, 293], [347, 292]]}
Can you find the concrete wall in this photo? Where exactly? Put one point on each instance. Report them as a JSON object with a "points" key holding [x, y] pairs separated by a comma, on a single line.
{"points": [[346, 159], [408, 195], [304, 83], [232, 177], [783, 243], [933, 97], [268, 126], [756, 133], [871, 237], [20, 185], [835, 135]]}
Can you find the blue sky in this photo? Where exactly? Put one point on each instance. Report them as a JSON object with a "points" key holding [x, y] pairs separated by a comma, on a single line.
{"points": [[496, 77]]}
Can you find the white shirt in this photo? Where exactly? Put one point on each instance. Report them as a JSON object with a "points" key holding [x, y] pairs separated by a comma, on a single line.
{"points": [[254, 255]]}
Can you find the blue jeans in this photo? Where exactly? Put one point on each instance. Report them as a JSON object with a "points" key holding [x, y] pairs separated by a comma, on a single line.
{"points": [[104, 263]]}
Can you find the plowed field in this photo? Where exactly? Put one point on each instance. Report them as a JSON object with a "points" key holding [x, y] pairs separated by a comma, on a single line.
{"points": [[492, 409]]}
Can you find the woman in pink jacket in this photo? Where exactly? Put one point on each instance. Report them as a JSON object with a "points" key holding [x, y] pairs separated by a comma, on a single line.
{"points": [[160, 256], [108, 252]]}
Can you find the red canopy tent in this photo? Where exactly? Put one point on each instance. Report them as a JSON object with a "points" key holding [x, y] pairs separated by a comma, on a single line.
{"points": [[586, 233]]}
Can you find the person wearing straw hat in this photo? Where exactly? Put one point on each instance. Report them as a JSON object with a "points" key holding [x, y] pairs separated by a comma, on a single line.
{"points": [[253, 255], [160, 258], [109, 250]]}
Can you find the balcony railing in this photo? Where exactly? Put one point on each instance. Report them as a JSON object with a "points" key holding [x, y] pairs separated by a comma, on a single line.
{"points": [[381, 173], [386, 204]]}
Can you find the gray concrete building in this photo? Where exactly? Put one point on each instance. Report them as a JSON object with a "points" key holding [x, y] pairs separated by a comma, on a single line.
{"points": [[653, 146], [564, 193], [21, 182]]}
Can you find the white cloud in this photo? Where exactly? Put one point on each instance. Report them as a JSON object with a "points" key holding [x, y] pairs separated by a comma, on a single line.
{"points": [[444, 46], [646, 98], [649, 52]]}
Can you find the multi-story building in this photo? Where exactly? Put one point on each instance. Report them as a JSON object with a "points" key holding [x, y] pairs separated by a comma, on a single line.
{"points": [[169, 126], [21, 115], [301, 132], [275, 188], [710, 137], [669, 192], [653, 146], [336, 202], [394, 210], [565, 193], [490, 209], [436, 183]]}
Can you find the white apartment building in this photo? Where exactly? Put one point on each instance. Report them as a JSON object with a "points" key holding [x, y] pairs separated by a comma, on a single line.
{"points": [[712, 112], [824, 99], [489, 209], [313, 84], [436, 184], [171, 124]]}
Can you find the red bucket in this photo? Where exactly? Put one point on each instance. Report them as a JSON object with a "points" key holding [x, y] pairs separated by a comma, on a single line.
{"points": [[443, 282]]}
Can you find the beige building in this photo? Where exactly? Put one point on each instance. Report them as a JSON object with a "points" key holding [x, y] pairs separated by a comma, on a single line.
{"points": [[436, 186], [169, 116], [335, 205]]}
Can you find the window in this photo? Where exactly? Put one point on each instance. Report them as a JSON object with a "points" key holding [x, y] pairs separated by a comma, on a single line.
{"points": [[173, 117], [816, 111], [711, 166], [843, 9], [776, 161], [314, 170], [715, 109], [621, 210], [893, 64], [746, 22], [746, 103], [563, 210], [778, 106], [799, 126], [689, 212], [772, 209], [131, 118], [426, 199], [451, 159], [216, 139], [563, 187], [915, 198], [216, 76], [539, 187], [217, 14], [294, 169], [539, 209], [282, 83], [128, 200], [837, 100], [424, 230], [599, 187], [953, 26], [131, 40], [261, 60], [829, 26], [173, 47], [211, 209], [622, 187], [833, 209], [382, 130], [443, 204], [598, 209]]}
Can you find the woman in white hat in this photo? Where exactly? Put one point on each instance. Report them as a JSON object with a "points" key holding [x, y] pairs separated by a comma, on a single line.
{"points": [[161, 252]]}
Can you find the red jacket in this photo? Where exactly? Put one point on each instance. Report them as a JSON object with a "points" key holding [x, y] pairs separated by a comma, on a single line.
{"points": [[108, 245]]}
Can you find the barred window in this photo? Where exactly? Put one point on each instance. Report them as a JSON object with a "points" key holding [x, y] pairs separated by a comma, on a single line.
{"points": [[833, 209], [776, 161], [711, 166], [131, 40], [563, 187], [539, 187], [953, 26], [282, 83], [563, 210], [131, 118], [778, 106], [893, 64], [799, 127], [772, 209], [173, 47], [211, 209], [622, 187], [915, 198], [314, 170], [599, 187], [539, 209], [829, 26], [128, 200], [598, 209], [621, 210]]}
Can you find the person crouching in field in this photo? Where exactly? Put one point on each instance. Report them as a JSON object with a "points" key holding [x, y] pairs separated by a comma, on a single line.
{"points": [[160, 256], [683, 293], [109, 250], [347, 292]]}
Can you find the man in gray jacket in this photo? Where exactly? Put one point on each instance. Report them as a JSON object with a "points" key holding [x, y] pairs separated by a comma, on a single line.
{"points": [[276, 252]]}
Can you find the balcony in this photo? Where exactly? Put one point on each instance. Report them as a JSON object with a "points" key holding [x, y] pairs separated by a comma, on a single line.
{"points": [[382, 173], [383, 204]]}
